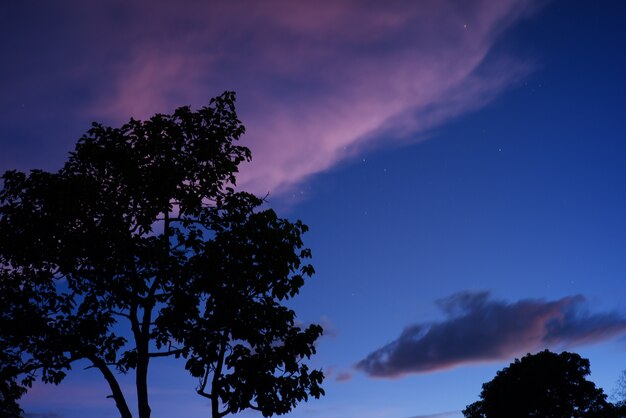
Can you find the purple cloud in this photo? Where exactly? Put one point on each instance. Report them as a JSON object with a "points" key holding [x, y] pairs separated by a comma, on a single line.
{"points": [[480, 329], [317, 82], [343, 377], [440, 415], [42, 415]]}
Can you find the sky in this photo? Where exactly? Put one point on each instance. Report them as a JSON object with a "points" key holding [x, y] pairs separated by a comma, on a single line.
{"points": [[461, 166]]}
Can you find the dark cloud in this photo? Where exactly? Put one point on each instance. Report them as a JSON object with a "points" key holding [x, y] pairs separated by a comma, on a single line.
{"points": [[478, 328]]}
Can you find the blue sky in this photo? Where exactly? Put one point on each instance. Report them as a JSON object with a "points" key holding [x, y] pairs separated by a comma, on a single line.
{"points": [[434, 148]]}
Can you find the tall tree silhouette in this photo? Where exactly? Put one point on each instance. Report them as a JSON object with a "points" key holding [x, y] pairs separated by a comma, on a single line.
{"points": [[141, 233], [546, 385]]}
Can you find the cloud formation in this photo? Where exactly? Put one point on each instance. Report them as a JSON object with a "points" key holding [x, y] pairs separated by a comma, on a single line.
{"points": [[343, 377], [440, 415], [478, 328], [317, 81]]}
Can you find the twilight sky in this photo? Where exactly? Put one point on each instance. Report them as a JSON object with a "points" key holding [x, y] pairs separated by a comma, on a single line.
{"points": [[461, 164]]}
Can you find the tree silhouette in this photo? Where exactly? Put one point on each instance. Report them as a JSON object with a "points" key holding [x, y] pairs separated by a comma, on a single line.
{"points": [[140, 248], [546, 385], [10, 390], [619, 395]]}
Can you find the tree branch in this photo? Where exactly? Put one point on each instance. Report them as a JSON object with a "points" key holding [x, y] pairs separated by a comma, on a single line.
{"points": [[121, 314], [215, 389], [117, 394], [166, 353], [254, 407], [225, 412]]}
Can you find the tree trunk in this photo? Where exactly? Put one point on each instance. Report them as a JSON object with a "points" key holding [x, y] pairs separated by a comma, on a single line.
{"points": [[142, 386], [141, 333], [141, 373], [116, 391], [217, 374]]}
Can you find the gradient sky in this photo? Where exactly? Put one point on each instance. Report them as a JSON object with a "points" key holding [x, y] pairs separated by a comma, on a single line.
{"points": [[461, 165]]}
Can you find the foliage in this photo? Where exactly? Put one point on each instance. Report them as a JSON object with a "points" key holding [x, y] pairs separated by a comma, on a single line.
{"points": [[142, 227], [10, 390], [546, 385]]}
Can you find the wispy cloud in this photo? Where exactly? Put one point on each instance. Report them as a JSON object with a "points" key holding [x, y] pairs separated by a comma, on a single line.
{"points": [[451, 414], [317, 81], [42, 415], [478, 328], [343, 377]]}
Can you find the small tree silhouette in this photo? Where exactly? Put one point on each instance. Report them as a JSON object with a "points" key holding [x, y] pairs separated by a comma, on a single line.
{"points": [[142, 228], [546, 385]]}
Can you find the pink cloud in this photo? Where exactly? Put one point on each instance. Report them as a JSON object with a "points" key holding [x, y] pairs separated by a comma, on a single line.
{"points": [[43, 395], [478, 329], [343, 377], [316, 82]]}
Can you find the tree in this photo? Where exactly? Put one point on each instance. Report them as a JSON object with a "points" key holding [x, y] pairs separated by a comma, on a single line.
{"points": [[140, 248], [619, 395], [546, 385]]}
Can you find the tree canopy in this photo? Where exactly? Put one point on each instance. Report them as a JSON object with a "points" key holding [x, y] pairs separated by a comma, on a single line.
{"points": [[546, 385], [140, 247]]}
